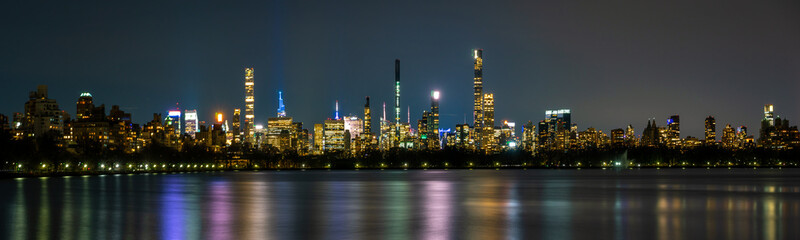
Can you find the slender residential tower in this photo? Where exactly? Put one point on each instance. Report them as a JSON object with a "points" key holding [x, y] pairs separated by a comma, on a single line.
{"points": [[478, 93], [249, 100], [281, 107], [367, 118], [237, 122], [397, 101], [433, 121]]}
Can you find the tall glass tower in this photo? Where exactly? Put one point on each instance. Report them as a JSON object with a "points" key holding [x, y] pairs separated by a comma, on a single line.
{"points": [[249, 100], [478, 93], [396, 102], [367, 118]]}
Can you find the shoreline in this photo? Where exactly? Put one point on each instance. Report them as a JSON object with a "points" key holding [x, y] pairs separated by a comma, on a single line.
{"points": [[16, 175]]}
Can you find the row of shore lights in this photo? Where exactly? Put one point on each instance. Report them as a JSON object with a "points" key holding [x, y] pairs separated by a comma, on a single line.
{"points": [[146, 166]]}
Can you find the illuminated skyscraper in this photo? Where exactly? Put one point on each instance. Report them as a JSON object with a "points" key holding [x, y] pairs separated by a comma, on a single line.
{"points": [[433, 121], [630, 136], [711, 130], [367, 118], [478, 93], [190, 120], [529, 137], [281, 107], [237, 121], [769, 115], [728, 137], [334, 139], [488, 142], [674, 130], [319, 138], [85, 106], [397, 100], [554, 129], [617, 137], [249, 100], [354, 125], [174, 120]]}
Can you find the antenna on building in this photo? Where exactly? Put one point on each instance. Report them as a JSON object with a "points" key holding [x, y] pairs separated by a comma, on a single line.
{"points": [[281, 107], [337, 110]]}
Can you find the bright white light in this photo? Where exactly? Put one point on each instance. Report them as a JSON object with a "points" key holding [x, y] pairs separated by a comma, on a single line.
{"points": [[436, 95], [259, 127], [512, 144]]}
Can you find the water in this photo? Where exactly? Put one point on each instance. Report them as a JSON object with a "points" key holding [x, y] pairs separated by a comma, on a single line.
{"points": [[432, 204]]}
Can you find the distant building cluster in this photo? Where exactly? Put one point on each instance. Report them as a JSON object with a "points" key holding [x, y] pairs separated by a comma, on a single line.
{"points": [[353, 135]]}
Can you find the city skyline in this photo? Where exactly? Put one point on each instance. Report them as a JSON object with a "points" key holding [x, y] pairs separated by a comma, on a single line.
{"points": [[281, 112], [608, 80]]}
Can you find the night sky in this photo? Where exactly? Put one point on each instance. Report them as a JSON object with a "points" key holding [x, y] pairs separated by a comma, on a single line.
{"points": [[613, 63]]}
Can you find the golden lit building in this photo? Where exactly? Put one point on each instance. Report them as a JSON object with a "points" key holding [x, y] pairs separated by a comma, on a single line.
{"points": [[711, 131], [249, 100], [488, 140], [319, 138], [479, 98], [334, 135]]}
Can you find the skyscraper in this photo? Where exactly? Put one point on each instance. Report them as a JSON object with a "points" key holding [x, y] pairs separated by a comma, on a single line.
{"points": [[433, 121], [554, 128], [237, 121], [249, 100], [281, 107], [334, 139], [488, 142], [529, 137], [174, 120], [354, 125], [478, 93], [84, 106], [674, 130], [711, 130], [397, 101], [367, 118], [190, 120], [319, 138], [728, 137], [769, 115]]}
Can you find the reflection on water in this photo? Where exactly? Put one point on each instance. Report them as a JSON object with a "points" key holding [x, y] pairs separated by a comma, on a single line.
{"points": [[454, 204]]}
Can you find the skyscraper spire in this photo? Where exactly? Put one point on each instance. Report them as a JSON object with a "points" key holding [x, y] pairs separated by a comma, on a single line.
{"points": [[281, 107], [408, 114], [337, 110], [397, 101], [384, 112]]}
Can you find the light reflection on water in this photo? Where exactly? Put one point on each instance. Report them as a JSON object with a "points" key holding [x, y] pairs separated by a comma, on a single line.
{"points": [[454, 204]]}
